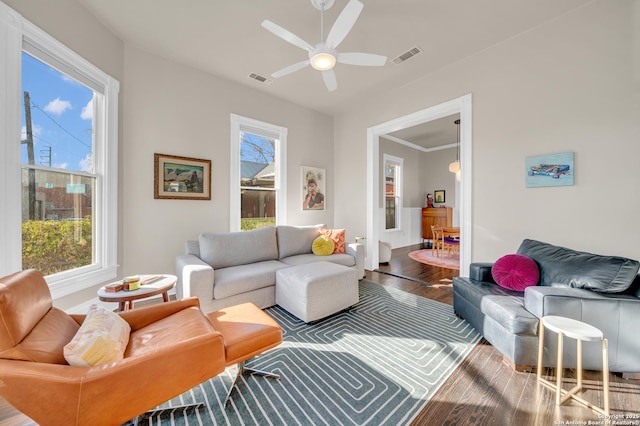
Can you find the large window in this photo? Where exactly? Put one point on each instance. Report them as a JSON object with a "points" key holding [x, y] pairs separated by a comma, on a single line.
{"points": [[258, 195], [60, 134], [392, 191]]}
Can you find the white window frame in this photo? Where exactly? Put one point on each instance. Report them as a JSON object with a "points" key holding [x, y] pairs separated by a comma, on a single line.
{"points": [[398, 162], [18, 34], [244, 124]]}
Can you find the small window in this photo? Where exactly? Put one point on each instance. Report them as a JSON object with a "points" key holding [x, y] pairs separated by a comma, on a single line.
{"points": [[392, 191], [258, 195]]}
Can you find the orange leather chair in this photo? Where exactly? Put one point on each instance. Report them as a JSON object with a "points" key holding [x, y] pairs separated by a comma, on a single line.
{"points": [[172, 347], [248, 332]]}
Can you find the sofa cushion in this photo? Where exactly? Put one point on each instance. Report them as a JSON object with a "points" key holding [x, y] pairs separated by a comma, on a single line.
{"points": [[102, 338], [302, 259], [293, 240], [563, 267], [322, 246], [337, 235], [509, 312], [244, 278], [239, 248], [515, 272]]}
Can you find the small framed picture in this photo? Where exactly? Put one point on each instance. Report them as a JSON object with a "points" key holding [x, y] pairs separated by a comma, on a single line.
{"points": [[313, 188], [438, 196], [181, 178]]}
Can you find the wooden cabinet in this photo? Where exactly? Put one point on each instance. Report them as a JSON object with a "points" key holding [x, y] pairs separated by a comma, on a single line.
{"points": [[441, 216]]}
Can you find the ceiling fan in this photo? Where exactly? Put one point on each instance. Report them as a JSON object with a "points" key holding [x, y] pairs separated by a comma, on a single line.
{"points": [[323, 56]]}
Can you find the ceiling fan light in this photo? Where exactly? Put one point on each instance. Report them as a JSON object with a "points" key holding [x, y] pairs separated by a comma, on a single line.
{"points": [[454, 167], [323, 61]]}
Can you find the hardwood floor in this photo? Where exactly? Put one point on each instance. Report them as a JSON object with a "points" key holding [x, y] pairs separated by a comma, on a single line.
{"points": [[483, 390]]}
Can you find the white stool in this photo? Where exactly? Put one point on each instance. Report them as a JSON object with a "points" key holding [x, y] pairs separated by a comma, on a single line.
{"points": [[579, 331]]}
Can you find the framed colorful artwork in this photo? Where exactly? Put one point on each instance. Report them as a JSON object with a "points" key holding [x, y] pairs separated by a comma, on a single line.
{"points": [[549, 170], [181, 178]]}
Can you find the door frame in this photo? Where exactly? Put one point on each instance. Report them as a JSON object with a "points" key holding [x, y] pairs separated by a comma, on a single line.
{"points": [[462, 106]]}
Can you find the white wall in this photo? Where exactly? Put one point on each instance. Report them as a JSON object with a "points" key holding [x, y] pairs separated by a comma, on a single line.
{"points": [[173, 109], [571, 84]]}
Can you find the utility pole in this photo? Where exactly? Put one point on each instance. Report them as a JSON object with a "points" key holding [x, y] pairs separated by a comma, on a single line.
{"points": [[31, 157]]}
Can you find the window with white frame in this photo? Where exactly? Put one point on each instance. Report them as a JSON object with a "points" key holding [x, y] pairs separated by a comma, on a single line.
{"points": [[258, 174], [60, 128], [392, 188]]}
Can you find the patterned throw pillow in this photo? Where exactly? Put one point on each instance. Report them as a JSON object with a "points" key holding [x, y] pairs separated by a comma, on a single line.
{"points": [[102, 338], [337, 235], [322, 246]]}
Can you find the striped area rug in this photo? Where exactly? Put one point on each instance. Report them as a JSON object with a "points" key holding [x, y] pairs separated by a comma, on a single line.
{"points": [[377, 363]]}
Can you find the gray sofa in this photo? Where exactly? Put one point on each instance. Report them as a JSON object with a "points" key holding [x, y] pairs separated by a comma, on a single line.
{"points": [[603, 291], [225, 269]]}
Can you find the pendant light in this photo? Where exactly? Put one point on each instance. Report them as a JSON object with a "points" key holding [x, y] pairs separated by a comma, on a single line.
{"points": [[454, 167]]}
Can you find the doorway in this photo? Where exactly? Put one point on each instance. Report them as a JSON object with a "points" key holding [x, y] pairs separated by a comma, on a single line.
{"points": [[462, 106]]}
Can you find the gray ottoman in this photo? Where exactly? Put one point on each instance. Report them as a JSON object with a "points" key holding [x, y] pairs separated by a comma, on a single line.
{"points": [[316, 290]]}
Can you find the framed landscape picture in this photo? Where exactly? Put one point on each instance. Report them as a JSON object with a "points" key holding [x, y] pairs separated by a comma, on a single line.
{"points": [[549, 170], [438, 196], [181, 178], [313, 188]]}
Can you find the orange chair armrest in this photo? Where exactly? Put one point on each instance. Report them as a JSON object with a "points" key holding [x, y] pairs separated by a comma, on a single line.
{"points": [[142, 317]]}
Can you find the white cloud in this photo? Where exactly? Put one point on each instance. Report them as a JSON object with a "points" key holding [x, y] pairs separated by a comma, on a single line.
{"points": [[87, 111], [37, 131], [61, 166], [86, 164], [57, 106]]}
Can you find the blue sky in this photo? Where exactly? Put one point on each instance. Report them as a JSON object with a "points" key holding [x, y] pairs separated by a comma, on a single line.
{"points": [[61, 116]]}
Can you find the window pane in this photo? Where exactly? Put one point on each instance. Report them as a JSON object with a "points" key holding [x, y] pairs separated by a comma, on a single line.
{"points": [[56, 141], [57, 211], [257, 161], [390, 175], [258, 208], [257, 181]]}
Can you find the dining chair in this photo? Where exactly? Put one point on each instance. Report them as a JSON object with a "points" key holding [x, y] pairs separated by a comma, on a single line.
{"points": [[436, 246]]}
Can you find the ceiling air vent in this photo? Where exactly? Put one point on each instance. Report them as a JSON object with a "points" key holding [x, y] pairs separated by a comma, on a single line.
{"points": [[407, 55], [260, 78]]}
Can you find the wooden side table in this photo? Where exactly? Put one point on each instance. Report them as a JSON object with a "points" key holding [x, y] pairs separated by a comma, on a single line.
{"points": [[579, 331], [150, 285]]}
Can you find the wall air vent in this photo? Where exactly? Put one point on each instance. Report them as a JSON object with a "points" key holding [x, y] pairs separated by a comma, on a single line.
{"points": [[261, 79], [407, 55]]}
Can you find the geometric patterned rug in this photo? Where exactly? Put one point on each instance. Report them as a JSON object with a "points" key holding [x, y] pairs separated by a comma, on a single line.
{"points": [[377, 363]]}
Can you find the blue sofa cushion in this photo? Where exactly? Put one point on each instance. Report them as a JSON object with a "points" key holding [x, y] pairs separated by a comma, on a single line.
{"points": [[563, 267]]}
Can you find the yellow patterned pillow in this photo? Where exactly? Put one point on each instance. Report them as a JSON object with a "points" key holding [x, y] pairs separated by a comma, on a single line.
{"points": [[102, 338], [322, 246]]}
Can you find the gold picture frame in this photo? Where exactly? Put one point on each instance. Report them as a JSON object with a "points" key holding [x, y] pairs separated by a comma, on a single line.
{"points": [[181, 178]]}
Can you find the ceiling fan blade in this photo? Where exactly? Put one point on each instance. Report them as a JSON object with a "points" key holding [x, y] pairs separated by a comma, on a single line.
{"points": [[330, 81], [286, 35], [362, 59], [290, 69], [344, 23]]}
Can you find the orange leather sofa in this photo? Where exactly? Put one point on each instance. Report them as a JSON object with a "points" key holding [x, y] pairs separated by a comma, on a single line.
{"points": [[172, 347]]}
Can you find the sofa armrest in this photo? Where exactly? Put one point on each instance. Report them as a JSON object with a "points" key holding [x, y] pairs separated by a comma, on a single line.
{"points": [[481, 271], [195, 278], [357, 251]]}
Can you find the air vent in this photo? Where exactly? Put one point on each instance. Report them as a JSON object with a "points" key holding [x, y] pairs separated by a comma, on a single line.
{"points": [[260, 78], [407, 55]]}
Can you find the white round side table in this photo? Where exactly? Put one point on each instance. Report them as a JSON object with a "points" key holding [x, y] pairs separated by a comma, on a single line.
{"points": [[579, 331]]}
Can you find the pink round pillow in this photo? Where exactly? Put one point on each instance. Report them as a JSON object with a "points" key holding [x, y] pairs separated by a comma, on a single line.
{"points": [[515, 272]]}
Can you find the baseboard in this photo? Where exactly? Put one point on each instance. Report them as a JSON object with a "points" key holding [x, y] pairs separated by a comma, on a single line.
{"points": [[521, 368]]}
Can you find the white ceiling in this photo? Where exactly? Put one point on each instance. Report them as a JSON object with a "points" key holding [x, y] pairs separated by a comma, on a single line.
{"points": [[225, 38]]}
